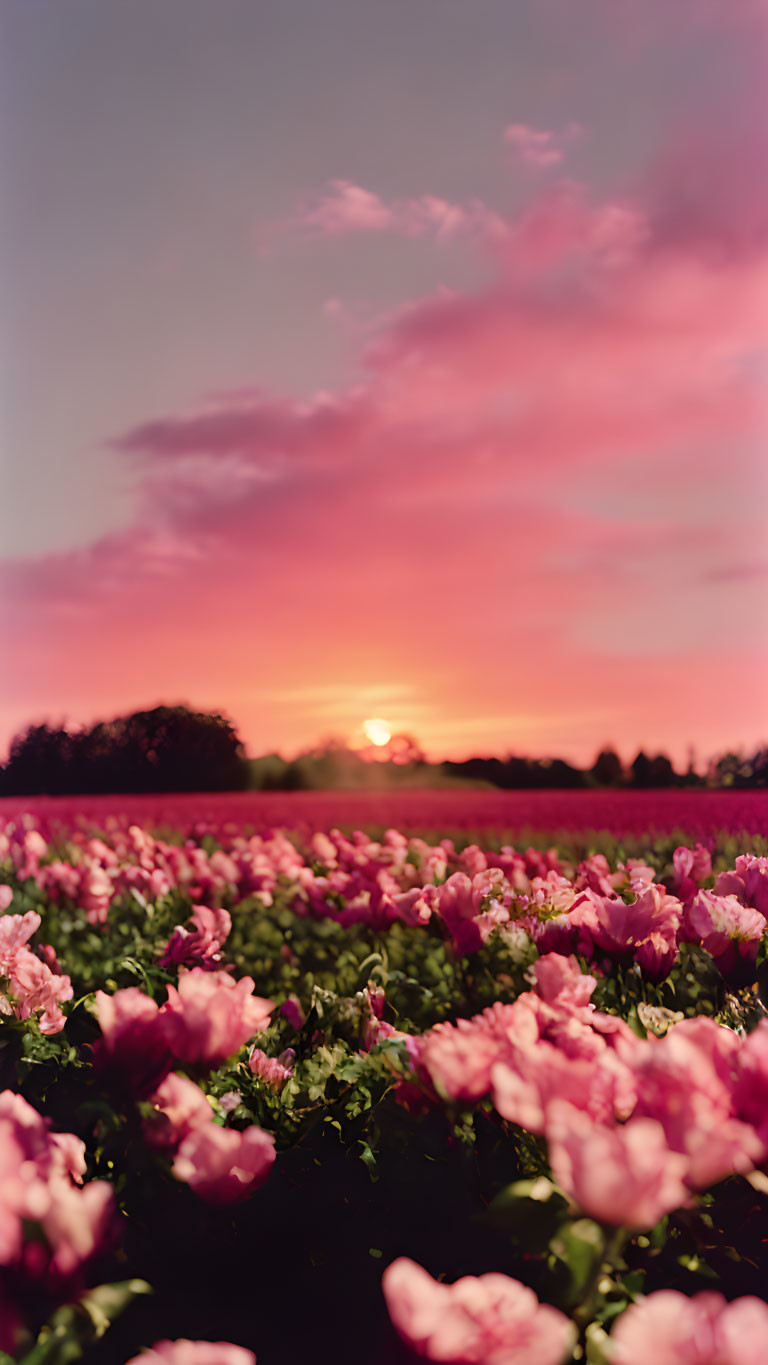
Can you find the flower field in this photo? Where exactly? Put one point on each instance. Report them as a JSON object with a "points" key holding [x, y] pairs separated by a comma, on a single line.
{"points": [[633, 814], [269, 1089]]}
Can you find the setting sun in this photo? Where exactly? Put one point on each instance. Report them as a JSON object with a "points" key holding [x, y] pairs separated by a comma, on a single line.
{"points": [[377, 732]]}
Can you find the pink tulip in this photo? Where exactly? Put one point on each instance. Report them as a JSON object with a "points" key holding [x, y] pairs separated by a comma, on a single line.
{"points": [[748, 881], [179, 1108], [223, 1165], [622, 1174], [560, 981], [201, 945], [728, 930], [458, 1061], [38, 1175], [210, 1016], [132, 1051], [472, 909], [686, 1082], [15, 931], [669, 1329], [78, 1222], [269, 1069], [750, 1092], [485, 1320], [183, 1352]]}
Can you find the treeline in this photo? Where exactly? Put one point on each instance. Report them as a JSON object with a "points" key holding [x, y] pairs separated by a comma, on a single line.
{"points": [[337, 766], [167, 749], [729, 770], [174, 749]]}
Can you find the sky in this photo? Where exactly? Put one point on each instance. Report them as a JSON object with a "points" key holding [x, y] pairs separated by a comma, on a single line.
{"points": [[401, 360]]}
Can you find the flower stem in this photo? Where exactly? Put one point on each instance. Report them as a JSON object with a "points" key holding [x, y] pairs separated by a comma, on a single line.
{"points": [[613, 1241]]}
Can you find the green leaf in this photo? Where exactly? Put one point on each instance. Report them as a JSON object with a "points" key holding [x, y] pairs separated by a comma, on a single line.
{"points": [[529, 1211], [108, 1301], [77, 1326], [578, 1245]]}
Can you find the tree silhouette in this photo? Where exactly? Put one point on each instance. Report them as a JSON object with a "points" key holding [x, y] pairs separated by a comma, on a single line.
{"points": [[40, 760], [606, 769], [168, 748]]}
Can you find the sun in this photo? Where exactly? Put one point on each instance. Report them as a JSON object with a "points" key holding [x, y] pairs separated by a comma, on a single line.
{"points": [[377, 731]]}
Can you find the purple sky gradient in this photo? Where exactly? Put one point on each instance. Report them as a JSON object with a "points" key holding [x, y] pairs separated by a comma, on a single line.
{"points": [[400, 359]]}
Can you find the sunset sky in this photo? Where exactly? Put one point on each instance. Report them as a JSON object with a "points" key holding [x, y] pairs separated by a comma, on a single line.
{"points": [[387, 358]]}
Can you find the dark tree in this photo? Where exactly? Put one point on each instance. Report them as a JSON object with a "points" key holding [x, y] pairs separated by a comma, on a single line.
{"points": [[662, 772], [606, 770], [40, 760], [641, 770], [169, 748], [653, 772]]}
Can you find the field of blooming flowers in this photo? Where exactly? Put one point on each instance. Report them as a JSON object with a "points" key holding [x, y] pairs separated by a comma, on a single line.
{"points": [[333, 1097]]}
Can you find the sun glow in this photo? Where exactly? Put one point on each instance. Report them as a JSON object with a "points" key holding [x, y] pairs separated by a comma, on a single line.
{"points": [[377, 732]]}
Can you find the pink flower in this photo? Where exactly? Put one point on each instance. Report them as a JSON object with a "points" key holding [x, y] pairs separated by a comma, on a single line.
{"points": [[646, 929], [210, 1016], [686, 1082], [528, 1082], [750, 1092], [68, 1155], [96, 889], [15, 931], [458, 1060], [595, 873], [180, 1107], [36, 989], [269, 1069], [77, 1223], [728, 930], [622, 1174], [23, 1194], [6, 896], [484, 1320], [560, 981], [415, 907], [670, 1329], [471, 910], [748, 881], [37, 1187], [132, 1051], [223, 1165], [33, 988], [183, 1352], [291, 1011], [691, 867], [201, 945]]}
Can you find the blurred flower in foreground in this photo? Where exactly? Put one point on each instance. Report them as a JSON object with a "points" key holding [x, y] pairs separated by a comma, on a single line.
{"points": [[223, 1165], [50, 1223], [670, 1329], [185, 1352], [484, 1320]]}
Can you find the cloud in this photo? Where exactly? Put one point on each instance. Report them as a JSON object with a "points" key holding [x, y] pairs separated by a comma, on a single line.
{"points": [[345, 207], [342, 208], [540, 147], [563, 223]]}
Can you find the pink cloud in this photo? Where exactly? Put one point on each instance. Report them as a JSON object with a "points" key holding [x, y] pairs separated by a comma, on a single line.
{"points": [[343, 208], [563, 222], [540, 147]]}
